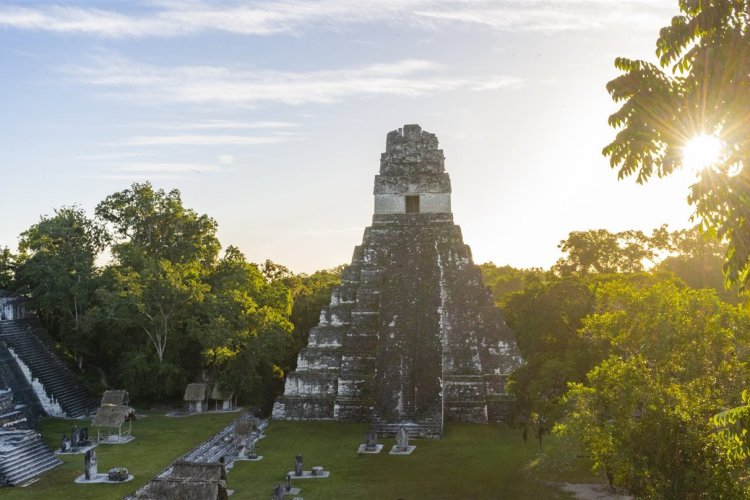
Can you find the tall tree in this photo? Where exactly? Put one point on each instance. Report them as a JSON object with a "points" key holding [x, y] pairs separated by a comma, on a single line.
{"points": [[155, 224], [701, 86], [7, 269], [56, 269], [162, 253]]}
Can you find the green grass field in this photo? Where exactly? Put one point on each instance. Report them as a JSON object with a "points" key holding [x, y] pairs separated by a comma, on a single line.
{"points": [[159, 440], [470, 462]]}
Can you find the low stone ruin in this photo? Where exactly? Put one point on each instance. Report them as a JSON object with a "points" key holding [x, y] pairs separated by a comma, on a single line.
{"points": [[11, 416]]}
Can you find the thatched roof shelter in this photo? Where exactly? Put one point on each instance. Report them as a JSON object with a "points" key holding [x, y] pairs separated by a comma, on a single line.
{"points": [[109, 420], [188, 481], [113, 416], [196, 392], [169, 488], [115, 397], [197, 470]]}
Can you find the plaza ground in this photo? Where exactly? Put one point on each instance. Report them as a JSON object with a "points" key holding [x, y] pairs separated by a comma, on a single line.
{"points": [[471, 461]]}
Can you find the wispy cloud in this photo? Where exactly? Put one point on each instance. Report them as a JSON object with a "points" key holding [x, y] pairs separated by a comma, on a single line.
{"points": [[263, 18], [135, 170], [165, 167], [224, 125], [200, 140], [551, 15], [241, 86]]}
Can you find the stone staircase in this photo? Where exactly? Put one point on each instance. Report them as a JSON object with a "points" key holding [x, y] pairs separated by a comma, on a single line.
{"points": [[30, 343], [23, 457], [426, 428], [13, 378]]}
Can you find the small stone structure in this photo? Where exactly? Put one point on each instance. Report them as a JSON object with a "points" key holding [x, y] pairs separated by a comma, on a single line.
{"points": [[12, 308], [412, 338], [195, 396], [11, 417]]}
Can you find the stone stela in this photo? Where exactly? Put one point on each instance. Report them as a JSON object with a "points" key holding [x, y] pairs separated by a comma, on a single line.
{"points": [[402, 446], [412, 337], [371, 443], [89, 465]]}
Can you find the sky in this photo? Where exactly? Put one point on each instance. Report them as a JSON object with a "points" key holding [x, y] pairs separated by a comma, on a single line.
{"points": [[271, 116]]}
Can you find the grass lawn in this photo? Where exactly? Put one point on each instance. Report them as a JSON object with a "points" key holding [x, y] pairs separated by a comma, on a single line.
{"points": [[158, 441], [471, 461]]}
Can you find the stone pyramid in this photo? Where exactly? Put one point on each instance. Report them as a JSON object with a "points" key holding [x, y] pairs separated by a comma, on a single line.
{"points": [[412, 337]]}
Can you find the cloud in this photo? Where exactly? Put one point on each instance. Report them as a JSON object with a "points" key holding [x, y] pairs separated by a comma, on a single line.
{"points": [[225, 160], [165, 167], [133, 171], [124, 79], [264, 18], [200, 140], [223, 124]]}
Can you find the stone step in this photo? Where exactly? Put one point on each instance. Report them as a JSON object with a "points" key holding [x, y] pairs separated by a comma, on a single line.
{"points": [[30, 345], [24, 456], [28, 461], [32, 474]]}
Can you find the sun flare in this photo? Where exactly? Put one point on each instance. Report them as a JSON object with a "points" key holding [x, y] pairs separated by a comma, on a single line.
{"points": [[702, 151]]}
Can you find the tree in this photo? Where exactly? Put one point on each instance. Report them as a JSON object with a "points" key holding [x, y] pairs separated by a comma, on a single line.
{"points": [[56, 269], [505, 280], [601, 251], [7, 269], [701, 86], [155, 224], [243, 326], [162, 254], [158, 299], [545, 319], [697, 260], [675, 356]]}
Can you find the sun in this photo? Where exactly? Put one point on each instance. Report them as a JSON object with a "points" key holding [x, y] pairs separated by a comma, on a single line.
{"points": [[702, 151]]}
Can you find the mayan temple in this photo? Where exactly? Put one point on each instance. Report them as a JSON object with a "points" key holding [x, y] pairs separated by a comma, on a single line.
{"points": [[412, 337]]}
